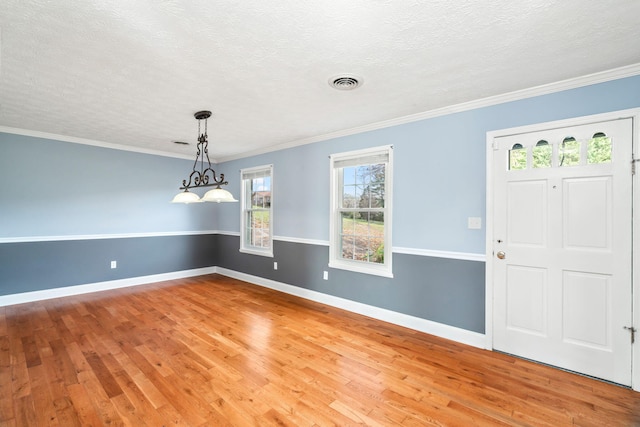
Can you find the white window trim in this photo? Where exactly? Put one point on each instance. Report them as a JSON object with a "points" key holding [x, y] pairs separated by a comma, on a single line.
{"points": [[268, 252], [335, 261]]}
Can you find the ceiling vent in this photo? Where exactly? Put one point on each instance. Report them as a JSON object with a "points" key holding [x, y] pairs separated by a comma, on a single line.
{"points": [[345, 82]]}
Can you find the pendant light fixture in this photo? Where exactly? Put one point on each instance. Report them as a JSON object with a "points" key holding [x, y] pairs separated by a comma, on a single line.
{"points": [[202, 176]]}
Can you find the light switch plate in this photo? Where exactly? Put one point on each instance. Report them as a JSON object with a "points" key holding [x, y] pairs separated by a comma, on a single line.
{"points": [[474, 222]]}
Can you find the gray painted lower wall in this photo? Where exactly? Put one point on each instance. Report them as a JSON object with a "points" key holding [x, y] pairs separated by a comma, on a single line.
{"points": [[446, 291], [35, 266], [442, 290]]}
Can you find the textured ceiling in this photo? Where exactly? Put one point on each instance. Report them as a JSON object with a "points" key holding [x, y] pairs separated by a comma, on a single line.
{"points": [[134, 72]]}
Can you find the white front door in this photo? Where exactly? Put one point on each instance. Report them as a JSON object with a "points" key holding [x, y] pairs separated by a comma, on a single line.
{"points": [[562, 247]]}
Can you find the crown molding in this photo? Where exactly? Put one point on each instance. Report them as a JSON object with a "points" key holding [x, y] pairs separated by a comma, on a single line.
{"points": [[92, 142], [590, 79], [546, 89]]}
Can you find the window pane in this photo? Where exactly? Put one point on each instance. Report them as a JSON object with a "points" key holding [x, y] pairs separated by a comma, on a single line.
{"points": [[349, 199], [247, 230], [569, 153], [249, 237], [258, 230], [362, 175], [362, 236], [349, 188], [261, 192], [370, 190], [377, 185], [265, 232], [517, 157], [599, 149], [542, 155], [377, 250], [349, 176], [347, 247], [363, 196], [347, 226], [363, 186]]}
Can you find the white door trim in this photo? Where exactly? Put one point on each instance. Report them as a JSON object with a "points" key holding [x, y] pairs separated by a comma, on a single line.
{"points": [[491, 135]]}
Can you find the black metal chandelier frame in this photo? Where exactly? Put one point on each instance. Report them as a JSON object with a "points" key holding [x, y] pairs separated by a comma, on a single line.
{"points": [[204, 177]]}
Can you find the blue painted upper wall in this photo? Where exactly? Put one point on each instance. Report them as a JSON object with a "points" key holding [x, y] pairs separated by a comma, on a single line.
{"points": [[54, 188], [439, 169]]}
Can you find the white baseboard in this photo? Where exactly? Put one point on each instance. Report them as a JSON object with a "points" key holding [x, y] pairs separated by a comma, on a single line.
{"points": [[100, 286], [434, 328], [464, 336]]}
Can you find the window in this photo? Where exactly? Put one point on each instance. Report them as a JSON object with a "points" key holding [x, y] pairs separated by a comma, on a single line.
{"points": [[569, 152], [361, 185], [599, 149], [257, 219], [542, 154], [517, 157]]}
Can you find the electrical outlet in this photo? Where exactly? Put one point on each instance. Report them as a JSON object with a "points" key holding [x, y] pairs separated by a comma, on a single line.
{"points": [[275, 265], [325, 275], [114, 264]]}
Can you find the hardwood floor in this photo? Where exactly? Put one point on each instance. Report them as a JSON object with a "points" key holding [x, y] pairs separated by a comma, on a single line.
{"points": [[213, 351]]}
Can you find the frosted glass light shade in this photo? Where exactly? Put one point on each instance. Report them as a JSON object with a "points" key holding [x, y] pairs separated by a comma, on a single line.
{"points": [[186, 197], [218, 195]]}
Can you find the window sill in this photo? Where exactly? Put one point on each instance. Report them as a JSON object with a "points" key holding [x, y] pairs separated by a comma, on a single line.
{"points": [[376, 270], [267, 253]]}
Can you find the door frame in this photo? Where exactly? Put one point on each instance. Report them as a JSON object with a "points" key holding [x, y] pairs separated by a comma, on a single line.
{"points": [[634, 114]]}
